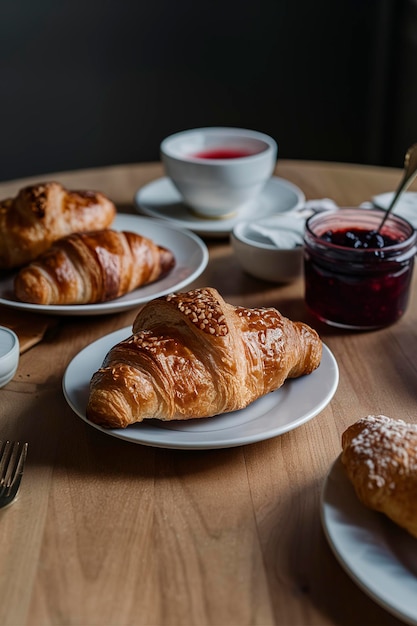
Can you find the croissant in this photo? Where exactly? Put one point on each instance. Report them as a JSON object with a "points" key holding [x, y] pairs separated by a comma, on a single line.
{"points": [[380, 458], [41, 214], [192, 355], [92, 267]]}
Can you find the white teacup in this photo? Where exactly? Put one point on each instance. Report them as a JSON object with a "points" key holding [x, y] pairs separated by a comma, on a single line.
{"points": [[219, 171]]}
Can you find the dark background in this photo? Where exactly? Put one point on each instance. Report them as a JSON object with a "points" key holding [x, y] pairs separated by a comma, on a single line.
{"points": [[86, 83]]}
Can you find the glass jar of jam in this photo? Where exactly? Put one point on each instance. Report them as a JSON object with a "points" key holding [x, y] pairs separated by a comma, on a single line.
{"points": [[355, 277]]}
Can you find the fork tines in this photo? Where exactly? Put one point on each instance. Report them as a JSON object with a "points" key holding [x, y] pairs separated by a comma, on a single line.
{"points": [[12, 461]]}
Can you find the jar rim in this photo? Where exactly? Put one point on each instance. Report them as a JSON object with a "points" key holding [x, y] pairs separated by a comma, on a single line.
{"points": [[393, 220]]}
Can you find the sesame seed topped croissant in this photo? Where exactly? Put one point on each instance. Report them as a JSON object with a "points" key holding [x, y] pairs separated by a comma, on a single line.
{"points": [[192, 355]]}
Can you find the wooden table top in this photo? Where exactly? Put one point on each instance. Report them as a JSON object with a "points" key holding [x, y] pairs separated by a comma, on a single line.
{"points": [[107, 532]]}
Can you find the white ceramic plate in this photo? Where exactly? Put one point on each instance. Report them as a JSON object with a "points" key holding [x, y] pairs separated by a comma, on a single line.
{"points": [[379, 556], [161, 199], [405, 207], [191, 257], [297, 402]]}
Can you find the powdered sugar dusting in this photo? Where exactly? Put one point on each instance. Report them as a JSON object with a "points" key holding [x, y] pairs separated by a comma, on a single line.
{"points": [[385, 447]]}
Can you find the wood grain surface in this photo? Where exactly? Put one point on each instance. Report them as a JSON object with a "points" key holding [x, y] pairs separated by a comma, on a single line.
{"points": [[110, 533]]}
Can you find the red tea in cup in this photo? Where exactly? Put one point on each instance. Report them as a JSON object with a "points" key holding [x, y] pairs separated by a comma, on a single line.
{"points": [[223, 153]]}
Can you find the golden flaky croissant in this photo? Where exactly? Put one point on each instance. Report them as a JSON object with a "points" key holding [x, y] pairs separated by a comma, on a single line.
{"points": [[380, 458], [41, 214], [92, 267], [192, 355]]}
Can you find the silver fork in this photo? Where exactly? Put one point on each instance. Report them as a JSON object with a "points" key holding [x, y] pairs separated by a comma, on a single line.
{"points": [[12, 461]]}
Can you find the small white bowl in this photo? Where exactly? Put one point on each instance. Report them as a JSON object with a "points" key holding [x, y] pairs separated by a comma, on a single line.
{"points": [[9, 355], [219, 170], [261, 258]]}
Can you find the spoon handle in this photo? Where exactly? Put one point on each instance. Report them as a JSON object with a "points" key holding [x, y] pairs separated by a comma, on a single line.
{"points": [[410, 164]]}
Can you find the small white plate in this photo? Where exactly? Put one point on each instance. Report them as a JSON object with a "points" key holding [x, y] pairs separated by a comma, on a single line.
{"points": [[405, 207], [191, 258], [378, 555], [161, 199], [296, 402]]}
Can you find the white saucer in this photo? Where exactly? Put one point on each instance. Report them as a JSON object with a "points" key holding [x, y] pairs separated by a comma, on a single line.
{"points": [[379, 556], [161, 199]]}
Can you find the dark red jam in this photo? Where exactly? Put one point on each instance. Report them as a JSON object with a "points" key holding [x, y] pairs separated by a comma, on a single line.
{"points": [[223, 153], [358, 238], [356, 277]]}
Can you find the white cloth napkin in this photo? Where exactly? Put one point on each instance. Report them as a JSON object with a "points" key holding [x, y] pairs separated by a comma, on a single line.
{"points": [[314, 206], [405, 207], [285, 230]]}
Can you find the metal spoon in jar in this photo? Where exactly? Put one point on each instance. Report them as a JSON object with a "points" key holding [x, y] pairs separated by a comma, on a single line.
{"points": [[410, 171]]}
